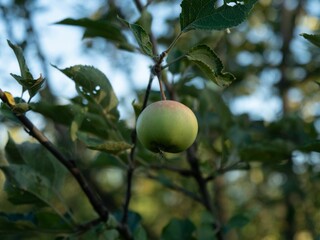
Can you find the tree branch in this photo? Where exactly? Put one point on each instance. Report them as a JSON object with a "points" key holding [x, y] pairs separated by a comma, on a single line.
{"points": [[177, 188], [202, 184], [92, 196]]}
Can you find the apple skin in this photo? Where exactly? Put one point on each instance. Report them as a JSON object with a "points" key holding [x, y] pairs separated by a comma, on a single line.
{"points": [[167, 126]]}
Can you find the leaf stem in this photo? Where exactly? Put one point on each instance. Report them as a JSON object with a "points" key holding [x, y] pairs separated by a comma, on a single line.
{"points": [[173, 43], [173, 61]]}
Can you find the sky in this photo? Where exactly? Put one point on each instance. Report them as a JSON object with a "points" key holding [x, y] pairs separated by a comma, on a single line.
{"points": [[62, 45]]}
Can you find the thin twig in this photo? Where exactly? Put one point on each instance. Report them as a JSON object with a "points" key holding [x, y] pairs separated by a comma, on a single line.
{"points": [[202, 184], [131, 166], [177, 188], [92, 196]]}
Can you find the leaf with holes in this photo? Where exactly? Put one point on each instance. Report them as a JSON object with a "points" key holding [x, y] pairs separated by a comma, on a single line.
{"points": [[203, 14], [94, 86], [210, 64]]}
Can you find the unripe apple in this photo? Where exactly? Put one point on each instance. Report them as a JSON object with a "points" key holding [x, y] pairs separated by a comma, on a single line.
{"points": [[167, 126]]}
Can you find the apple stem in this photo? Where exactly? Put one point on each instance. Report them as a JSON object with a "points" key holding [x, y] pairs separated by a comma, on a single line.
{"points": [[157, 71], [163, 96]]}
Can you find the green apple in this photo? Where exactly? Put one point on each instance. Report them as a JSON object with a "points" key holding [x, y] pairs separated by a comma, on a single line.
{"points": [[167, 126]]}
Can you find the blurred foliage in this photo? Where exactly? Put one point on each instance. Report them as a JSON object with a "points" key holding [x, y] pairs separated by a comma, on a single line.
{"points": [[262, 175]]}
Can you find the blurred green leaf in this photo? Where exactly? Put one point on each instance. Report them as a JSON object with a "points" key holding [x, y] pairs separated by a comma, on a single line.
{"points": [[178, 229], [313, 38], [26, 79], [12, 153], [19, 196], [204, 14], [139, 233], [13, 224], [237, 221], [76, 123], [210, 64], [24, 70], [267, 151], [32, 225], [145, 20], [134, 219], [46, 219], [100, 28], [27, 179], [111, 147], [65, 114], [33, 178], [142, 38], [311, 146], [206, 230]]}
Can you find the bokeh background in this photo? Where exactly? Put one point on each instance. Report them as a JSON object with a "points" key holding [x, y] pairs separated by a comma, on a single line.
{"points": [[276, 70]]}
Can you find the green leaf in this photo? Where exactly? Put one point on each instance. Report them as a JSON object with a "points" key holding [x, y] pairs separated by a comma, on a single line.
{"points": [[312, 146], [13, 224], [142, 38], [210, 64], [112, 147], [134, 219], [24, 70], [205, 231], [139, 233], [203, 14], [18, 196], [32, 177], [93, 85], [178, 229], [100, 28], [12, 153], [313, 38], [145, 20], [92, 123], [76, 123], [47, 219], [237, 221], [26, 79], [267, 151]]}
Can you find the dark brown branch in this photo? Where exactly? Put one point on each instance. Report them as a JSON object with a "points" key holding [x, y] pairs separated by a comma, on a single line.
{"points": [[92, 196], [131, 166], [182, 172], [202, 184]]}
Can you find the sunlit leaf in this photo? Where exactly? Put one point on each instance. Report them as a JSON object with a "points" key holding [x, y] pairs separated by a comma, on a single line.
{"points": [[203, 14], [9, 98], [111, 147], [210, 64]]}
